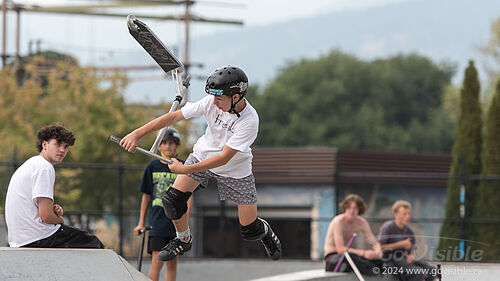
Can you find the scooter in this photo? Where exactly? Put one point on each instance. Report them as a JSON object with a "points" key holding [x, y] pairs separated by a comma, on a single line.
{"points": [[142, 232]]}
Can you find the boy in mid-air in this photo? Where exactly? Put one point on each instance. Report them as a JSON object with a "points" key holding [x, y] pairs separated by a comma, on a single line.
{"points": [[222, 154]]}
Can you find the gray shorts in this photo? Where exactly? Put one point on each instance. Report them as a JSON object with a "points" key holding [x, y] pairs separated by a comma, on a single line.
{"points": [[241, 191]]}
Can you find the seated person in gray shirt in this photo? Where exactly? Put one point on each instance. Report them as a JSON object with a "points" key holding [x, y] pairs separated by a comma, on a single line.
{"points": [[397, 240]]}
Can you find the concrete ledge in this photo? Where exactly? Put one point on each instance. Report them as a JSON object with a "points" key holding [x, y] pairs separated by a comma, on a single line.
{"points": [[65, 264]]}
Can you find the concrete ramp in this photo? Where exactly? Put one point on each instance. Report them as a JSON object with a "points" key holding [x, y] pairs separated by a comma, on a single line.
{"points": [[321, 275], [450, 272], [65, 264], [470, 271]]}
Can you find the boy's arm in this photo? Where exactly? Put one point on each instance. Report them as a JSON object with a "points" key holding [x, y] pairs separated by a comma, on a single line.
{"points": [[404, 244], [146, 198], [207, 164], [384, 238], [130, 141], [377, 250], [46, 211]]}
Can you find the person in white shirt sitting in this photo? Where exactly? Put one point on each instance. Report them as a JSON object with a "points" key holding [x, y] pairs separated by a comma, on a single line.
{"points": [[33, 220]]}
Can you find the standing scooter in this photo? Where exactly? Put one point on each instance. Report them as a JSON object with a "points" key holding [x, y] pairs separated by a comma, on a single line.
{"points": [[142, 232]]}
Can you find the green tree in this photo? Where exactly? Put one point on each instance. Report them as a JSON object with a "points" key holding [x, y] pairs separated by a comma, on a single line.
{"points": [[394, 104], [468, 141], [91, 104], [488, 195], [491, 50], [491, 63]]}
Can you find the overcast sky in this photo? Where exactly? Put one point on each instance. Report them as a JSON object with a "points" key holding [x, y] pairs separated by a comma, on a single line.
{"points": [[98, 40], [253, 12], [86, 33], [262, 12]]}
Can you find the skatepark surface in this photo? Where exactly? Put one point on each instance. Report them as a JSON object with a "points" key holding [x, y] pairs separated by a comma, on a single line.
{"points": [[302, 270], [69, 264], [256, 270]]}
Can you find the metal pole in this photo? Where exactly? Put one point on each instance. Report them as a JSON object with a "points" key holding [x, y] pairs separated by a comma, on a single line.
{"points": [[439, 275], [336, 184], [4, 32], [222, 232], [15, 165], [462, 210], [349, 244], [187, 20], [141, 150], [353, 266], [120, 199], [38, 46], [18, 34]]}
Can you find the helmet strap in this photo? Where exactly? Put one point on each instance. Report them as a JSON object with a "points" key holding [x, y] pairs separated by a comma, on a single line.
{"points": [[165, 156], [233, 105]]}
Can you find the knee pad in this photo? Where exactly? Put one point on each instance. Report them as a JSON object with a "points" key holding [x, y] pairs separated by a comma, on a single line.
{"points": [[175, 203], [254, 231]]}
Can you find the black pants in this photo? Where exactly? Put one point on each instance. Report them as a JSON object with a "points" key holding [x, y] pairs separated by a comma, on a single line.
{"points": [[416, 271], [365, 266], [68, 237]]}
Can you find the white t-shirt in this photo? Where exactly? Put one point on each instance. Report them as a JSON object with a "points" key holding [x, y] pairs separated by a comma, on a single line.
{"points": [[34, 178], [224, 128]]}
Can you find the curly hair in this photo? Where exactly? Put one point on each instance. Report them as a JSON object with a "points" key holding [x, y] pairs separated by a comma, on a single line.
{"points": [[356, 199], [54, 131]]}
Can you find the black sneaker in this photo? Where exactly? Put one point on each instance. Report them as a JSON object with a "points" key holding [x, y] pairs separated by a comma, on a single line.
{"points": [[271, 242], [174, 248]]}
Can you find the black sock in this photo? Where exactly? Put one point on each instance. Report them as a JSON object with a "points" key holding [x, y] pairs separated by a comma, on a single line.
{"points": [[255, 227]]}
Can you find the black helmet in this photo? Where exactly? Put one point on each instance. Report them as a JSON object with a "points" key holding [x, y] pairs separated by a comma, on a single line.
{"points": [[172, 134], [227, 80]]}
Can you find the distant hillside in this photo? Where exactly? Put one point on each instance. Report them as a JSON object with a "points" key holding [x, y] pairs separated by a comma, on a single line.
{"points": [[441, 29]]}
